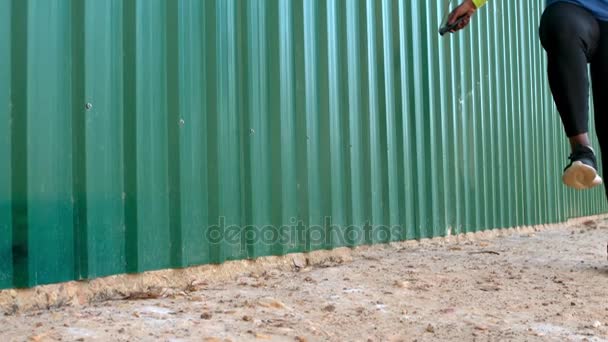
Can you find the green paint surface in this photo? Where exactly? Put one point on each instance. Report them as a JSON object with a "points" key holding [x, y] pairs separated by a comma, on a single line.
{"points": [[139, 135]]}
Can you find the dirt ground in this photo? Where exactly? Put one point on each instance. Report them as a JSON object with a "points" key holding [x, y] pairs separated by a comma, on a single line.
{"points": [[550, 285]]}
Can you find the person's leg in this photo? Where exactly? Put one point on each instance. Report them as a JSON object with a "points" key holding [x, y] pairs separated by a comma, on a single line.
{"points": [[570, 35], [579, 139], [599, 76]]}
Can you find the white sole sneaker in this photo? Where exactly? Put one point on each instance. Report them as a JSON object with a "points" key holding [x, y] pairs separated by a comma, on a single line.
{"points": [[581, 176]]}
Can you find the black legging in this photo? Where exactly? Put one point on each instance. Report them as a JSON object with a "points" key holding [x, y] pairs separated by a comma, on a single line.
{"points": [[573, 37]]}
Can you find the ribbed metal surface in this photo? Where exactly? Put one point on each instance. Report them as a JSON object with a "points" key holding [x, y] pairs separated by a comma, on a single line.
{"points": [[336, 122]]}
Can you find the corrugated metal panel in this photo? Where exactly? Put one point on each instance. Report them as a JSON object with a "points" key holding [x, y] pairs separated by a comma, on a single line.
{"points": [[142, 134], [6, 236]]}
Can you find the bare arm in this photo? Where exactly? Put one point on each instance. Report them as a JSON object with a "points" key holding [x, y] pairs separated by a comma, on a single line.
{"points": [[466, 9]]}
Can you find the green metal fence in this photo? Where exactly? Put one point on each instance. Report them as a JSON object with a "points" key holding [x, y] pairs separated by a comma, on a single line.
{"points": [[149, 134]]}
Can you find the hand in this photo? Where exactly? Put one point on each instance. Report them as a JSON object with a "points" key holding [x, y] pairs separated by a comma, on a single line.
{"points": [[466, 10]]}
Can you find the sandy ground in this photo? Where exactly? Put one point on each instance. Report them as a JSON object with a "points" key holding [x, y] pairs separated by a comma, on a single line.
{"points": [[551, 285]]}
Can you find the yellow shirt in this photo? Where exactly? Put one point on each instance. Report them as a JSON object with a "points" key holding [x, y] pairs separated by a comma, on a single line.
{"points": [[479, 3]]}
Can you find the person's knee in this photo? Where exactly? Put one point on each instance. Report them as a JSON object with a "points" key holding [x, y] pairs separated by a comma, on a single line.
{"points": [[556, 36], [565, 27], [559, 41]]}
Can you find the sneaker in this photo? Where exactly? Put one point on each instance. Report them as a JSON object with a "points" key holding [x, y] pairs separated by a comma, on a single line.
{"points": [[581, 173]]}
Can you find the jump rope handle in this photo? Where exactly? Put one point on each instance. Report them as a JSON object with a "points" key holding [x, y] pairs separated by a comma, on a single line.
{"points": [[447, 28]]}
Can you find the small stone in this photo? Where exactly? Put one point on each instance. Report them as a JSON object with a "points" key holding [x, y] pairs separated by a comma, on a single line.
{"points": [[299, 261], [273, 273], [481, 327], [244, 281], [271, 303], [121, 330], [37, 338], [430, 328], [262, 336], [38, 325], [206, 315], [402, 284], [301, 339], [572, 303], [329, 308], [597, 324], [212, 339], [247, 318]]}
